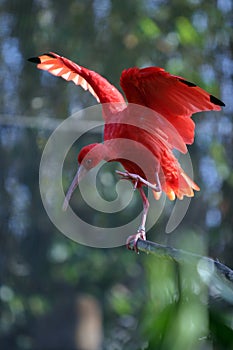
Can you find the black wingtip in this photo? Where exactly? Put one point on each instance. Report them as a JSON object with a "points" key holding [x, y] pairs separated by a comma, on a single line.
{"points": [[34, 60], [216, 101], [37, 59], [186, 82], [49, 54]]}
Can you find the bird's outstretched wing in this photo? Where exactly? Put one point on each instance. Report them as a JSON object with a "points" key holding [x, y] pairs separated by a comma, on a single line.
{"points": [[98, 86], [173, 97]]}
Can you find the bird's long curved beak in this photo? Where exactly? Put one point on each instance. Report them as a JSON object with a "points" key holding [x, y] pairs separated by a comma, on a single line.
{"points": [[78, 177]]}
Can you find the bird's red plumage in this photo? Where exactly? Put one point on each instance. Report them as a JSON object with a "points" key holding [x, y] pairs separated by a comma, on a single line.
{"points": [[89, 80], [171, 96], [173, 101]]}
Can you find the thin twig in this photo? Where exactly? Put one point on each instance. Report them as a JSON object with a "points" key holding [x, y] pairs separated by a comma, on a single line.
{"points": [[218, 276]]}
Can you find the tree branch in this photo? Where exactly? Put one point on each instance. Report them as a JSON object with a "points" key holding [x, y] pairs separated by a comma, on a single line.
{"points": [[216, 275]]}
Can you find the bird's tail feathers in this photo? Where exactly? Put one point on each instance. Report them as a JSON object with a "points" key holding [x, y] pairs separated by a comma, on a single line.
{"points": [[184, 186]]}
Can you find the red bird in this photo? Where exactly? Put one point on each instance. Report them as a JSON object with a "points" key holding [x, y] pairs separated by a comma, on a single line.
{"points": [[152, 132]]}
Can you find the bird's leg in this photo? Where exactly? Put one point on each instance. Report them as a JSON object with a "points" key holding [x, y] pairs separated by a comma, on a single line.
{"points": [[141, 233], [129, 176]]}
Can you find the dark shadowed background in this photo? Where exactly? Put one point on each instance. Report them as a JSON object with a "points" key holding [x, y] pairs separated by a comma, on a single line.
{"points": [[55, 293]]}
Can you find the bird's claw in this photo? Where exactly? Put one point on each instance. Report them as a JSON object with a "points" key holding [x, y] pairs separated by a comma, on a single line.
{"points": [[132, 240], [137, 178], [128, 176], [124, 174]]}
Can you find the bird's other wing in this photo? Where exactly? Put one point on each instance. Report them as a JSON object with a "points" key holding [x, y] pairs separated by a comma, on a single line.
{"points": [[173, 97], [98, 86], [155, 125]]}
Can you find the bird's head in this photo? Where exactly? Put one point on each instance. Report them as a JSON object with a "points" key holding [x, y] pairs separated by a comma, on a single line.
{"points": [[88, 158]]}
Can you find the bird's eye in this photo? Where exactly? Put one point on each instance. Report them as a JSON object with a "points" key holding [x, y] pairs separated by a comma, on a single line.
{"points": [[88, 161]]}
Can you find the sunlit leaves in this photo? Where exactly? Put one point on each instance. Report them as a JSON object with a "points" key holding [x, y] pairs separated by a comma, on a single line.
{"points": [[149, 28], [187, 33]]}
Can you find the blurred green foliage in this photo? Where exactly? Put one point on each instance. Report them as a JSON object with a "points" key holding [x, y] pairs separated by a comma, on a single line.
{"points": [[146, 303]]}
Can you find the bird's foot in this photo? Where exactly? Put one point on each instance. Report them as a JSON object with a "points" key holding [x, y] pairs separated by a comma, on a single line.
{"points": [[129, 176], [138, 179], [133, 239]]}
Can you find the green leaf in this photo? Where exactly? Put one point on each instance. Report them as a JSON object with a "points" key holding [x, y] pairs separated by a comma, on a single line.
{"points": [[149, 28], [186, 31]]}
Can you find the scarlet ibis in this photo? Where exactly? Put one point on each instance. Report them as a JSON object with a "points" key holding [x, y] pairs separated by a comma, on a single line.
{"points": [[171, 100]]}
